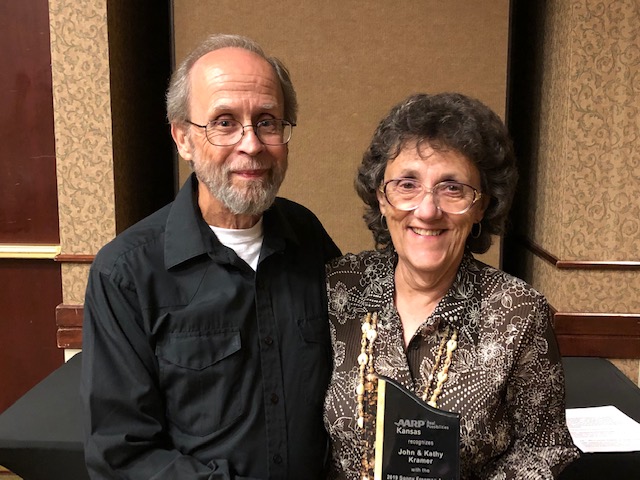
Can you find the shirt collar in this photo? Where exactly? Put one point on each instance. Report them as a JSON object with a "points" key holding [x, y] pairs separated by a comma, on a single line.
{"points": [[187, 235], [459, 306], [277, 229], [183, 234]]}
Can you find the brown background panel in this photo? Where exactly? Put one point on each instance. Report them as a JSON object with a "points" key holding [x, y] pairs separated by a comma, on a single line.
{"points": [[28, 350], [350, 62], [28, 198]]}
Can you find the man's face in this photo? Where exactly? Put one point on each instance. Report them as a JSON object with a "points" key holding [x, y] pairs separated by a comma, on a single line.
{"points": [[234, 84]]}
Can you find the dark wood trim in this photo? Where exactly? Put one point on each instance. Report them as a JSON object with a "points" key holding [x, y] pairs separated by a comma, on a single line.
{"points": [[577, 264], [598, 334], [597, 265], [579, 334], [69, 337], [599, 346], [69, 315], [538, 250], [615, 324], [69, 326], [74, 258]]}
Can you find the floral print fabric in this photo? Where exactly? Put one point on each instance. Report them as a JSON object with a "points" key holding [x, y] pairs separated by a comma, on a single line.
{"points": [[505, 381]]}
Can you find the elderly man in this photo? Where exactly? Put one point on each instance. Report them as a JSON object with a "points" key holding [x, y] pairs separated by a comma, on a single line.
{"points": [[206, 348]]}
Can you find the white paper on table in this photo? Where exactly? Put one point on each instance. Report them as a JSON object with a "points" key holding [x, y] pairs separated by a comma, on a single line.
{"points": [[603, 429]]}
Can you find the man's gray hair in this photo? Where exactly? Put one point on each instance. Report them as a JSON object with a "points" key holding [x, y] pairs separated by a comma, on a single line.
{"points": [[180, 86]]}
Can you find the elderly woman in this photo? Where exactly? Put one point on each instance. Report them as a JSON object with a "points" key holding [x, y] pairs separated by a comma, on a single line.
{"points": [[437, 181]]}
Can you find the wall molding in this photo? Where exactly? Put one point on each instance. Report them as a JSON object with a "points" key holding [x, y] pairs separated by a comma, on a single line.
{"points": [[577, 264], [607, 335], [74, 258], [69, 325], [21, 250]]}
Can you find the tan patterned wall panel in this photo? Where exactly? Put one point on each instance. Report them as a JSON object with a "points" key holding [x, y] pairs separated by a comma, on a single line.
{"points": [[82, 118], [74, 283], [589, 152], [603, 291], [602, 213], [582, 203], [552, 146]]}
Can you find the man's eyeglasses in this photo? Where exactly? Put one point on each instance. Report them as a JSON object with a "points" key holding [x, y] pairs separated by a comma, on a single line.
{"points": [[224, 133], [450, 197]]}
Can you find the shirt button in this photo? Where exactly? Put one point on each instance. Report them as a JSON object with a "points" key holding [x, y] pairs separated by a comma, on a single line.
{"points": [[277, 459], [268, 340], [274, 398]]}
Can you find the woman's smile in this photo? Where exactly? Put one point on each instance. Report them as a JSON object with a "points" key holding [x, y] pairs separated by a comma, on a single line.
{"points": [[426, 233]]}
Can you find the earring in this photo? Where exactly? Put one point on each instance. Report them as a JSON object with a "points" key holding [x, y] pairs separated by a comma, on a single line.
{"points": [[383, 222], [476, 235]]}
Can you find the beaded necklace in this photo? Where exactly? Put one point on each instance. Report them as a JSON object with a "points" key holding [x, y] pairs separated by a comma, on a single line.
{"points": [[452, 344], [366, 388]]}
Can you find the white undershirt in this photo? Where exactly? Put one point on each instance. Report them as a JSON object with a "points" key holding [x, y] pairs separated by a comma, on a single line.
{"points": [[245, 242]]}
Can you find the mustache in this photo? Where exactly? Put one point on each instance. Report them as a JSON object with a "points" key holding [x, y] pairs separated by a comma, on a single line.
{"points": [[248, 165]]}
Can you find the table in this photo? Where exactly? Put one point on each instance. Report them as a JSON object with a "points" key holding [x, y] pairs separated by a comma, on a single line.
{"points": [[594, 382], [41, 434]]}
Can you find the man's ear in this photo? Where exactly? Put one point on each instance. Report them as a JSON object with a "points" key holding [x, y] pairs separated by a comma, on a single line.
{"points": [[180, 134]]}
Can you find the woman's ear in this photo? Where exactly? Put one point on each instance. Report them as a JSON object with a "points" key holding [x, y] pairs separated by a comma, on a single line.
{"points": [[483, 204], [180, 134], [382, 202]]}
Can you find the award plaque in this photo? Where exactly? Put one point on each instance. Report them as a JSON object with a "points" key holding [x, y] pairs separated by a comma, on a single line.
{"points": [[414, 441]]}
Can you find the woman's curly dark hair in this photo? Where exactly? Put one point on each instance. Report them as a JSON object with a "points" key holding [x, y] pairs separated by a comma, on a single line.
{"points": [[446, 121]]}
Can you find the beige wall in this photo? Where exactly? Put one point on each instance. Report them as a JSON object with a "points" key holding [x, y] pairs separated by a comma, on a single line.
{"points": [[350, 62], [584, 204]]}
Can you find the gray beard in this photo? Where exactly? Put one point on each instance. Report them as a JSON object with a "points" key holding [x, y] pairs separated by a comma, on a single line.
{"points": [[257, 197]]}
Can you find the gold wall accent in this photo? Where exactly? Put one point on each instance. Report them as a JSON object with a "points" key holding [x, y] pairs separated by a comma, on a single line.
{"points": [[28, 251]]}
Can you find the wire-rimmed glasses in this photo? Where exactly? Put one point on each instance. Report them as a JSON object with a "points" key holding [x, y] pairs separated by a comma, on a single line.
{"points": [[450, 197], [226, 132]]}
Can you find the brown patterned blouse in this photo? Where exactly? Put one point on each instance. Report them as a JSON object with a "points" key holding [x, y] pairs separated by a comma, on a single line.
{"points": [[505, 381]]}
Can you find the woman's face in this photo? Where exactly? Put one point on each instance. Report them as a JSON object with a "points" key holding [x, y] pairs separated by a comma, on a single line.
{"points": [[428, 241]]}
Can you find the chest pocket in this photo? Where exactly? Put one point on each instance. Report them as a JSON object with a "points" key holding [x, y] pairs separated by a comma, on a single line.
{"points": [[199, 374]]}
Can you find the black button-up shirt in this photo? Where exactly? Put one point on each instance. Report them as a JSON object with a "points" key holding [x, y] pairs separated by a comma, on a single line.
{"points": [[197, 367]]}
